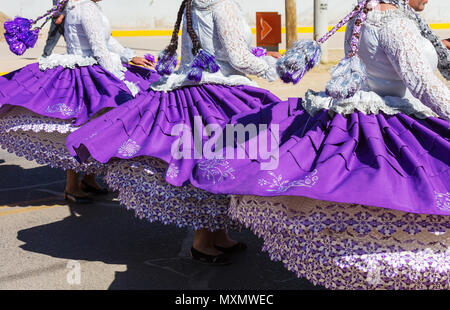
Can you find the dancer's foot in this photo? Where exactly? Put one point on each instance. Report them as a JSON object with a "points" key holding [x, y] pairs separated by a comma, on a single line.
{"points": [[77, 196], [212, 260], [225, 244]]}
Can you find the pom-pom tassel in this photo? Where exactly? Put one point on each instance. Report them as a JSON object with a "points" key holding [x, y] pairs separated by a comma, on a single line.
{"points": [[347, 78], [19, 35], [301, 58], [166, 63], [203, 61]]}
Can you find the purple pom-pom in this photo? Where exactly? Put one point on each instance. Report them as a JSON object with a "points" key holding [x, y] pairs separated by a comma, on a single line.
{"points": [[18, 48], [203, 61], [29, 38], [23, 24], [19, 35], [259, 51], [150, 58], [166, 63], [195, 74], [11, 27], [206, 61], [298, 60]]}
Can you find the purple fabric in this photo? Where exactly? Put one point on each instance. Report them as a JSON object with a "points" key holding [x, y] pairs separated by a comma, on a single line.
{"points": [[143, 126], [70, 93], [389, 161]]}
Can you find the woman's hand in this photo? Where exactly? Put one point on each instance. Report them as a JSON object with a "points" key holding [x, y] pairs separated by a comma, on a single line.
{"points": [[446, 43], [140, 61], [59, 20], [275, 55]]}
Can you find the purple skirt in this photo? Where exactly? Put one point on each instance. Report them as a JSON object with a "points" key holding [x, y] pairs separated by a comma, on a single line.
{"points": [[65, 93], [389, 161], [145, 126]]}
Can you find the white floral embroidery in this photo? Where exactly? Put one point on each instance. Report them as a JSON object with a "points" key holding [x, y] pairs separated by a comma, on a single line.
{"points": [[172, 171], [278, 185], [129, 148], [63, 109], [443, 201], [216, 170]]}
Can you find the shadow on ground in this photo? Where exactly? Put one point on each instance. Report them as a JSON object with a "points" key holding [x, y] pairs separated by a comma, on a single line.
{"points": [[155, 255]]}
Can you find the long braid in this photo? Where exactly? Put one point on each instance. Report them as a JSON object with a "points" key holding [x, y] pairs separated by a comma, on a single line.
{"points": [[428, 33], [203, 60], [196, 45], [173, 45]]}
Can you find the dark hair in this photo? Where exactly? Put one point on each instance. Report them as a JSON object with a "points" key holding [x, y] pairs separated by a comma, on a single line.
{"points": [[186, 6]]}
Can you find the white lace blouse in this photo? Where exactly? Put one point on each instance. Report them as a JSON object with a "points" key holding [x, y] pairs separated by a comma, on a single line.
{"points": [[401, 66], [89, 41], [222, 31]]}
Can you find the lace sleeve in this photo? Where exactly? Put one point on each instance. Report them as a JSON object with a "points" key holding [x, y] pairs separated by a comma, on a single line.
{"points": [[126, 54], [399, 39], [228, 19], [91, 21]]}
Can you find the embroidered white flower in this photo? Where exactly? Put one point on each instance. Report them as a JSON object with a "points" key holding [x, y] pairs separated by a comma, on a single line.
{"points": [[63, 109], [172, 171], [216, 170], [443, 201], [277, 184], [129, 148]]}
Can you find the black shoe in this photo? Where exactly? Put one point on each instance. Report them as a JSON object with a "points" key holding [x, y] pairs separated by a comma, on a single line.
{"points": [[237, 248], [90, 189], [212, 260], [76, 199]]}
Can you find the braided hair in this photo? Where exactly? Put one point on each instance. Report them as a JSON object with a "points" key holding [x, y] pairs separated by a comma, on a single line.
{"points": [[203, 60], [20, 34], [427, 33]]}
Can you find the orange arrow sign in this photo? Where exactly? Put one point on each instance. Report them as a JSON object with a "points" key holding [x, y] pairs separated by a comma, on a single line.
{"points": [[266, 29]]}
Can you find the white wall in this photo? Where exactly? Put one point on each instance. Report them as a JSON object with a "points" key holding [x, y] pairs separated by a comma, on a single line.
{"points": [[160, 14]]}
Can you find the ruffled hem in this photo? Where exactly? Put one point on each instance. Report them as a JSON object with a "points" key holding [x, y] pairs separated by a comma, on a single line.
{"points": [[367, 102], [46, 149], [21, 119], [142, 188], [66, 61], [346, 259], [176, 81]]}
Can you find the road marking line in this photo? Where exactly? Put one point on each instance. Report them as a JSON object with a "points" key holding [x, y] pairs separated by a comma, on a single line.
{"points": [[167, 33], [30, 209]]}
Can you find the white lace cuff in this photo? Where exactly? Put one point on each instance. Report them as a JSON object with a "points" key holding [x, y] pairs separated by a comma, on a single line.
{"points": [[271, 74], [127, 55]]}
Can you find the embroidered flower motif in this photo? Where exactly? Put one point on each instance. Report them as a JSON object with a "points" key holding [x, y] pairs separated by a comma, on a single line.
{"points": [[216, 170], [172, 171], [278, 185], [443, 201], [63, 109], [129, 148]]}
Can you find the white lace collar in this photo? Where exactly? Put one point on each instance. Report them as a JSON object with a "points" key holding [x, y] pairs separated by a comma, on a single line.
{"points": [[205, 4]]}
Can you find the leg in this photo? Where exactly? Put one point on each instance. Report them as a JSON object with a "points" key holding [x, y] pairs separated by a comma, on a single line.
{"points": [[73, 191], [203, 249], [204, 242], [222, 239], [53, 37], [89, 184]]}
